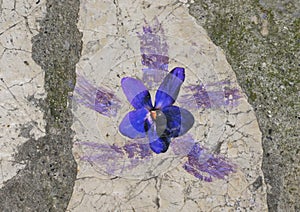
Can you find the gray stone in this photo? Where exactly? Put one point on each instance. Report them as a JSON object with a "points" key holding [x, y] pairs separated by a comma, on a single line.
{"points": [[261, 42]]}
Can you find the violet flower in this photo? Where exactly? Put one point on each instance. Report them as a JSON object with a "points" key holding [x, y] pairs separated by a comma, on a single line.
{"points": [[160, 122]]}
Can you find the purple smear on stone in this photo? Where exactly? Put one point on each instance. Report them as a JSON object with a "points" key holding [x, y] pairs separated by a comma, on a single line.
{"points": [[204, 97], [114, 159], [96, 98], [206, 166], [107, 155], [181, 146], [231, 96], [136, 150], [154, 52]]}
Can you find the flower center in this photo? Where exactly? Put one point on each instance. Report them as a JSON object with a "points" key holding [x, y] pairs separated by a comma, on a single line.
{"points": [[153, 114], [159, 120]]}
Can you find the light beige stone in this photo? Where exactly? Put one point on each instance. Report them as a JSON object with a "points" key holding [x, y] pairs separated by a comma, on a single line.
{"points": [[21, 79]]}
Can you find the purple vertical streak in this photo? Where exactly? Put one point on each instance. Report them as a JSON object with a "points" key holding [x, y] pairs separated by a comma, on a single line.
{"points": [[113, 159], [206, 166], [154, 52], [96, 98], [205, 98]]}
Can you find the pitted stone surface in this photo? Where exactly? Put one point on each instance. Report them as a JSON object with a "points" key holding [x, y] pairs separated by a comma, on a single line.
{"points": [[35, 114], [22, 81], [261, 42], [110, 52]]}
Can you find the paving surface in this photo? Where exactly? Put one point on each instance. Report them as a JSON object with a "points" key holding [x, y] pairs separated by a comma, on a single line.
{"points": [[38, 141], [261, 41], [22, 80], [50, 48]]}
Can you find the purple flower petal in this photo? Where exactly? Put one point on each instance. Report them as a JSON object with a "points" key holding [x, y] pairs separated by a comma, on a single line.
{"points": [[136, 92], [168, 90], [158, 144], [179, 120], [135, 124]]}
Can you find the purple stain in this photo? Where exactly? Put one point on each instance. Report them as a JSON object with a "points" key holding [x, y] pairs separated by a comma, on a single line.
{"points": [[181, 146], [205, 97], [206, 166], [154, 52], [198, 95], [96, 98], [136, 150], [231, 96], [196, 173], [107, 156], [155, 62], [147, 29], [114, 159]]}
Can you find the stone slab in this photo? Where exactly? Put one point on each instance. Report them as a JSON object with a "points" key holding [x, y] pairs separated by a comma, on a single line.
{"points": [[111, 50]]}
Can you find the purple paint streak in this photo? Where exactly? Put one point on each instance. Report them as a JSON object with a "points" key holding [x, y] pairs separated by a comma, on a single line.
{"points": [[202, 164], [205, 166], [181, 146], [154, 52], [205, 98], [96, 98], [136, 150], [113, 159]]}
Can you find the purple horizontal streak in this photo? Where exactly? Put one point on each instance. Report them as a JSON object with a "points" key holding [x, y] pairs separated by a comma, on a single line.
{"points": [[96, 98], [114, 159], [200, 163], [205, 98]]}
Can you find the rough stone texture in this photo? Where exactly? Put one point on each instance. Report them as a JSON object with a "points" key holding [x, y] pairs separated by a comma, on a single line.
{"points": [[111, 51], [21, 85], [261, 40], [48, 171]]}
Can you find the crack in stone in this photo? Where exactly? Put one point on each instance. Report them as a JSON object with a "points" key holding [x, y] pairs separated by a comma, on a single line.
{"points": [[46, 183], [19, 103]]}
